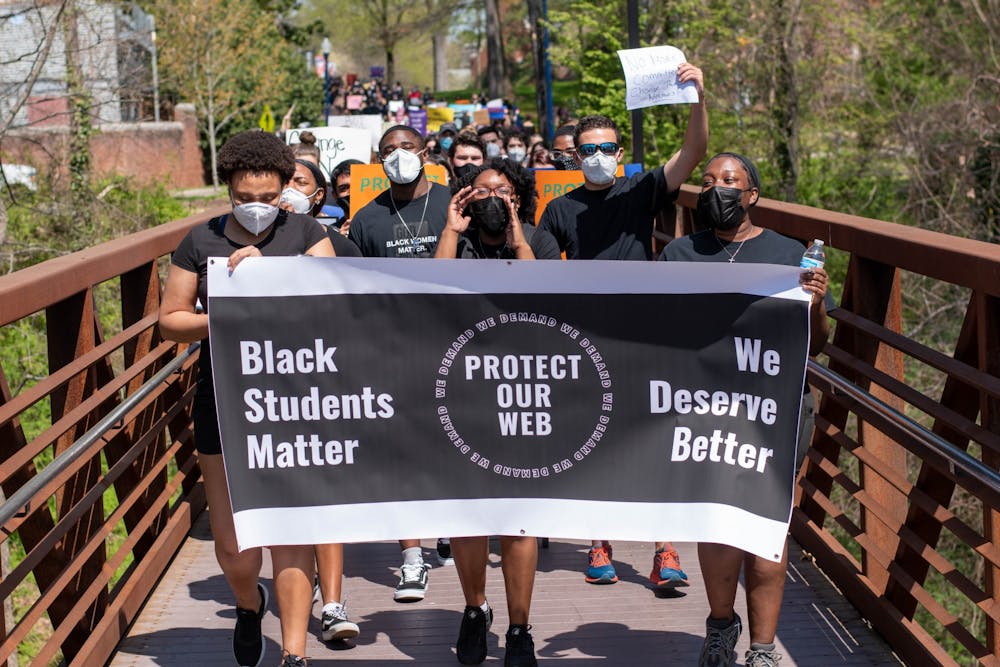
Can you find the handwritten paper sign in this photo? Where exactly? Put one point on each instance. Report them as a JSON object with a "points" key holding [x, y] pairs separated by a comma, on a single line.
{"points": [[437, 116], [370, 122], [651, 77], [336, 144]]}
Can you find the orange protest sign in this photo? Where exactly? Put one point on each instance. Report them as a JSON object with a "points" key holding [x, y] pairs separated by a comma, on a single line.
{"points": [[369, 181], [552, 183]]}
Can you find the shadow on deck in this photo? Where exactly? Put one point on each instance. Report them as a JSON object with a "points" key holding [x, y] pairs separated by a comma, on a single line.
{"points": [[188, 619]]}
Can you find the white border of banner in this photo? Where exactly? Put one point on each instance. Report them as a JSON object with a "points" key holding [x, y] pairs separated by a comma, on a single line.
{"points": [[550, 517], [376, 275]]}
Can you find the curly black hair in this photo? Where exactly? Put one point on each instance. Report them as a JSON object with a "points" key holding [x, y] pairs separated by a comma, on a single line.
{"points": [[522, 179], [256, 152]]}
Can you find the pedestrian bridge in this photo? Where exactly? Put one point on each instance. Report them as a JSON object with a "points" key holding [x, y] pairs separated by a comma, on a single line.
{"points": [[106, 555]]}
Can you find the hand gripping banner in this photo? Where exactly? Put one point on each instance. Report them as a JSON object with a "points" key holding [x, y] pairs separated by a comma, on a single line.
{"points": [[372, 399]]}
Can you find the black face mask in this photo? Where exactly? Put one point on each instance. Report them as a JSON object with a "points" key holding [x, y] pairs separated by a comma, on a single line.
{"points": [[345, 203], [464, 169], [719, 208], [564, 162], [490, 215]]}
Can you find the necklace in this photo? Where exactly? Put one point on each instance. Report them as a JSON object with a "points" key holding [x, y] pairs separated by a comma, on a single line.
{"points": [[732, 255], [482, 249], [413, 237]]}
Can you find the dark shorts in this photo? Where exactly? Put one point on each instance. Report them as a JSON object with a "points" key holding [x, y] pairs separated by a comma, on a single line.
{"points": [[807, 421], [206, 421]]}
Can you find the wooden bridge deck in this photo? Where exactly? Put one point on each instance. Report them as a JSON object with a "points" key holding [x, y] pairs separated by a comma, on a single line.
{"points": [[188, 619]]}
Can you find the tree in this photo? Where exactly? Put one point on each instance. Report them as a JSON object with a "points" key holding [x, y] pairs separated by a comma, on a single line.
{"points": [[384, 22], [220, 54]]}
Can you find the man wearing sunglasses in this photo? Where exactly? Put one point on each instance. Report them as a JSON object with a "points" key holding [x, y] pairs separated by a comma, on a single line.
{"points": [[612, 218]]}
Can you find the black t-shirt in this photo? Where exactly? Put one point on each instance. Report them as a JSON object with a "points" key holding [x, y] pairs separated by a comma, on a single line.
{"points": [[291, 234], [543, 245], [342, 246], [378, 231], [614, 223], [766, 248]]}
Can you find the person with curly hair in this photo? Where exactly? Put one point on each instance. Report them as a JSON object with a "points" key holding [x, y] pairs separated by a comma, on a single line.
{"points": [[255, 167], [487, 213]]}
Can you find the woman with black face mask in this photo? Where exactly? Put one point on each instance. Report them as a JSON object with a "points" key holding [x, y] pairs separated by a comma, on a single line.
{"points": [[730, 187], [486, 213]]}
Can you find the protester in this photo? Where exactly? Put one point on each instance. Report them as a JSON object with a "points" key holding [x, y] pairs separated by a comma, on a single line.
{"points": [[495, 199], [255, 166], [516, 147], [466, 152], [484, 223], [306, 194], [341, 190], [307, 148], [491, 138], [612, 218], [563, 153], [538, 156], [730, 188], [404, 221], [446, 137]]}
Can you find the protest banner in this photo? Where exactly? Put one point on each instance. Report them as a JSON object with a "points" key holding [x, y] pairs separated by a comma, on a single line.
{"points": [[370, 122], [372, 399], [418, 120], [552, 183], [369, 180], [437, 116], [651, 77], [336, 144]]}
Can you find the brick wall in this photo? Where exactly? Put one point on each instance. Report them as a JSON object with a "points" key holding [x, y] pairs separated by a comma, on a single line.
{"points": [[147, 152]]}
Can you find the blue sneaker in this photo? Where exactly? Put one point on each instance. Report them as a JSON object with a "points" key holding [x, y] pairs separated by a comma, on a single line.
{"points": [[667, 572], [599, 567]]}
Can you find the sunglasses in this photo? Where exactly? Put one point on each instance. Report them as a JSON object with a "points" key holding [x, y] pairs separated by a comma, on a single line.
{"points": [[608, 148]]}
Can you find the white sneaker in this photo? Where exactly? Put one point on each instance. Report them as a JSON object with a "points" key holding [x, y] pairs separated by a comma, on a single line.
{"points": [[412, 584], [336, 624]]}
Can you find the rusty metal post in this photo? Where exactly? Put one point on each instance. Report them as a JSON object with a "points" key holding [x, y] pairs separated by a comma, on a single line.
{"points": [[988, 318]]}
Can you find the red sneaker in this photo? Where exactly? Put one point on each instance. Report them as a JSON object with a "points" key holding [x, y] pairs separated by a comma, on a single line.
{"points": [[667, 572]]}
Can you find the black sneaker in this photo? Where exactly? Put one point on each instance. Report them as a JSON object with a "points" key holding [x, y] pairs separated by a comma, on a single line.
{"points": [[293, 661], [444, 552], [248, 642], [520, 648], [471, 645], [413, 582]]}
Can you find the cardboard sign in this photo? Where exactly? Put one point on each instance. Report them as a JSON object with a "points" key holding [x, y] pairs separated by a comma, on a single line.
{"points": [[369, 181], [418, 120], [437, 116], [481, 117], [552, 183], [336, 144]]}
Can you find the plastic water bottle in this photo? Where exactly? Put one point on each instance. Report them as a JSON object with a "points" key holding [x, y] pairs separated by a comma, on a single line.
{"points": [[814, 258]]}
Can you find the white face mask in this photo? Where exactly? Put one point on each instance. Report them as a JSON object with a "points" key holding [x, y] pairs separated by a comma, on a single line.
{"points": [[402, 167], [516, 154], [599, 168], [255, 216], [301, 203], [492, 150]]}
